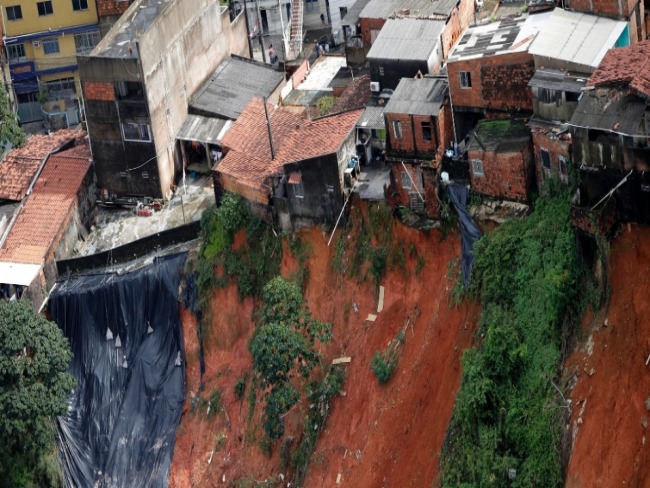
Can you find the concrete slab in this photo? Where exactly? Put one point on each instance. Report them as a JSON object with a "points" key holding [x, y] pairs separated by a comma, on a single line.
{"points": [[115, 227], [322, 72], [372, 180]]}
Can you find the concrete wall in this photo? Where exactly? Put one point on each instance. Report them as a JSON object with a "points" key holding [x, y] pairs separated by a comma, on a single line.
{"points": [[596, 148], [557, 109], [177, 55], [505, 174]]}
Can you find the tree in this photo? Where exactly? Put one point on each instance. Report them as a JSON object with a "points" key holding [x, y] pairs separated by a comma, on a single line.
{"points": [[34, 385], [10, 130]]}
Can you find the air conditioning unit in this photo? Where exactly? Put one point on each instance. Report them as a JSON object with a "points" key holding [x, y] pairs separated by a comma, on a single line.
{"points": [[36, 43], [374, 86]]}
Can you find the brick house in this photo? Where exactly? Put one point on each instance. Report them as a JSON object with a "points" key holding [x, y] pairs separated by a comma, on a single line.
{"points": [[53, 215], [456, 14], [610, 133], [297, 180], [404, 48], [419, 127], [562, 67], [501, 160], [137, 83], [489, 70]]}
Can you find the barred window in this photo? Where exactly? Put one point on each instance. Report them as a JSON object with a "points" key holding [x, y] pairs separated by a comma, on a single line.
{"points": [[86, 41]]}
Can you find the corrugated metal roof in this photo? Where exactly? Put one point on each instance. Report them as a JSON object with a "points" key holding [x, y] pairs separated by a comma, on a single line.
{"points": [[203, 129], [352, 16], [408, 39], [414, 96], [383, 9], [577, 38], [610, 110], [556, 80], [372, 118], [234, 83]]}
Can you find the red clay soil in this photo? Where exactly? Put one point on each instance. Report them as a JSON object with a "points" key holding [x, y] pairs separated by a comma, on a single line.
{"points": [[610, 414], [376, 435]]}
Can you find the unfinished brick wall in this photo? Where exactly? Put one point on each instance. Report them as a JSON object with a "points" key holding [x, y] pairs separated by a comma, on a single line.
{"points": [[504, 82], [98, 90], [299, 75], [498, 82], [445, 130], [112, 7], [367, 25], [412, 140], [611, 8], [505, 174], [557, 148], [424, 177], [458, 21]]}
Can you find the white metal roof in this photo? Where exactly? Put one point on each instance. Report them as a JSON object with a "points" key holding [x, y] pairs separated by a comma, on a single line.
{"points": [[18, 273], [577, 38], [407, 39]]}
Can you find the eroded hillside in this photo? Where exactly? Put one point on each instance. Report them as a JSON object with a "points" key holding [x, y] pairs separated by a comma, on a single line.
{"points": [[373, 431]]}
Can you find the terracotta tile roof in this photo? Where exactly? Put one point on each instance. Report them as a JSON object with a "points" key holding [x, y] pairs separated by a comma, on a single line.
{"points": [[248, 157], [356, 95], [19, 166], [48, 207], [626, 65]]}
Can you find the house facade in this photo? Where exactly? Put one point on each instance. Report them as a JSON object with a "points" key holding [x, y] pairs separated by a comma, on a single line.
{"points": [[562, 68], [137, 84], [501, 160], [404, 48], [292, 175], [42, 41], [419, 127], [489, 71]]}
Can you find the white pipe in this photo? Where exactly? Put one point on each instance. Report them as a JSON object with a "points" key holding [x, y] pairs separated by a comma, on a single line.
{"points": [[412, 182], [337, 220]]}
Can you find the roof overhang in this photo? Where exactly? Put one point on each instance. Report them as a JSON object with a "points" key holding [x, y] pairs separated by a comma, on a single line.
{"points": [[204, 129], [18, 273]]}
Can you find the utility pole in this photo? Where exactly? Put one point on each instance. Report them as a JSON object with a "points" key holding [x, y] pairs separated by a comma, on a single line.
{"points": [[268, 126], [259, 25]]}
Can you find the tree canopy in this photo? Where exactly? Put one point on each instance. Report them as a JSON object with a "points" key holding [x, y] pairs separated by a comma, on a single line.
{"points": [[34, 384], [10, 130]]}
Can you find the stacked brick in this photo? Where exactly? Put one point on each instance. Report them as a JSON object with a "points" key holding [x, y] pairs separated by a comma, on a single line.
{"points": [[98, 90], [112, 7]]}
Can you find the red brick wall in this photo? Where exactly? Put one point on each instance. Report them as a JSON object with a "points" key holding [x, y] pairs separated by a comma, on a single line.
{"points": [[98, 90], [556, 147], [498, 82], [112, 7], [299, 75], [506, 175], [411, 128], [604, 7], [458, 21], [367, 25], [504, 82], [445, 130], [400, 196]]}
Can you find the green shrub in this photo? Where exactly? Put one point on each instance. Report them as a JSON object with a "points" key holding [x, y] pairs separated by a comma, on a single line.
{"points": [[240, 386], [383, 365]]}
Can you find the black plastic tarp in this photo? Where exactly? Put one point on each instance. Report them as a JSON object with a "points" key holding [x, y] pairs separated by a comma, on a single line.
{"points": [[121, 422], [469, 231]]}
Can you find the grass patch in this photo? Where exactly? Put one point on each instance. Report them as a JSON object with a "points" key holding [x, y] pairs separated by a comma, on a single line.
{"points": [[384, 363]]}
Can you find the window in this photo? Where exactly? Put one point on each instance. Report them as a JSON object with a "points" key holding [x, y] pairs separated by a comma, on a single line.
{"points": [[79, 5], [16, 53], [546, 159], [136, 132], [426, 131], [477, 167], [343, 11], [465, 79], [86, 41], [381, 71], [51, 46], [14, 13], [129, 89], [297, 189], [397, 129], [406, 181], [45, 8], [572, 96]]}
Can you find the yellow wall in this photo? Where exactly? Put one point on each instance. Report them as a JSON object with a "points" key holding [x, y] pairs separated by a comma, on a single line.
{"points": [[63, 16]]}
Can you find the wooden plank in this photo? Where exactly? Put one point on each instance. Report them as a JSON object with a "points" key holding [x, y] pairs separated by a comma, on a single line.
{"points": [[341, 360], [380, 305]]}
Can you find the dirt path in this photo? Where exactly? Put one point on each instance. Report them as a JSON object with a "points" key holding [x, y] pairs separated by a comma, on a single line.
{"points": [[610, 416]]}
